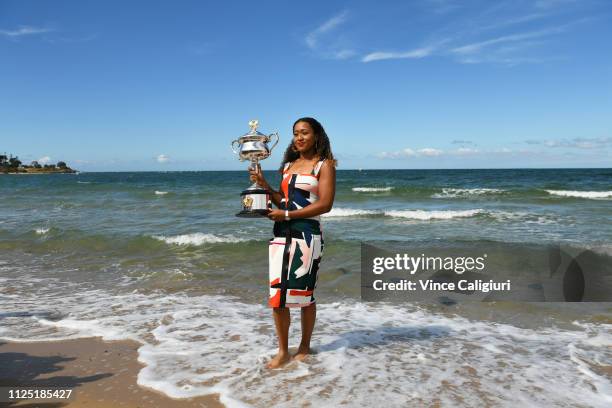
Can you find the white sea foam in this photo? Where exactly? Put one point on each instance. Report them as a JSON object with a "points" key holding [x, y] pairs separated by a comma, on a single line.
{"points": [[42, 231], [371, 189], [83, 182], [410, 214], [526, 217], [466, 192], [365, 354], [581, 194], [350, 212], [160, 192], [433, 214], [197, 238]]}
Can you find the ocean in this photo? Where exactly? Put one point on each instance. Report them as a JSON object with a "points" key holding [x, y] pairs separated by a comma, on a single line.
{"points": [[160, 258]]}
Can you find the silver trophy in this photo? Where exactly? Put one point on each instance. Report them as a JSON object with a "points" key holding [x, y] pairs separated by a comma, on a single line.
{"points": [[253, 146]]}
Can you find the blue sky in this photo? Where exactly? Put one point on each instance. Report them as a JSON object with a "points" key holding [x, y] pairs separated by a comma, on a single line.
{"points": [[153, 85]]}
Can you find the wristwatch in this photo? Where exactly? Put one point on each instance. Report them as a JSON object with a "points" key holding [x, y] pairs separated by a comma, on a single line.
{"points": [[287, 215]]}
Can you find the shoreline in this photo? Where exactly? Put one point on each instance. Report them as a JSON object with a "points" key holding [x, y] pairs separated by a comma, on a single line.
{"points": [[101, 374]]}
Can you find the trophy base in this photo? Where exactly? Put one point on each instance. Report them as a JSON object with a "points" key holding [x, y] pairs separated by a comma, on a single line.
{"points": [[252, 213]]}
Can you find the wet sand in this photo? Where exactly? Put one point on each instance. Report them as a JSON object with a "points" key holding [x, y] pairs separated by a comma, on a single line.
{"points": [[99, 373]]}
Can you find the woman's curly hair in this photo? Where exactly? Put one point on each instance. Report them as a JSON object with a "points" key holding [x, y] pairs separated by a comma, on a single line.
{"points": [[322, 145]]}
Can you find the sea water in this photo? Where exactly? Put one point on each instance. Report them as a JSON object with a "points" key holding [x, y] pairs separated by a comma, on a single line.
{"points": [[160, 258]]}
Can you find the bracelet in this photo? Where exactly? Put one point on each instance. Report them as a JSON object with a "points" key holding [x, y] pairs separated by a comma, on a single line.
{"points": [[287, 215]]}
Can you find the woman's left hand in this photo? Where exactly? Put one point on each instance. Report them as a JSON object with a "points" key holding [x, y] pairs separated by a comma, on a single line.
{"points": [[277, 215]]}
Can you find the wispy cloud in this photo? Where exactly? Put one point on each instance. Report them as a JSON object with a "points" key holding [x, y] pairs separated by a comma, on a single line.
{"points": [[462, 142], [71, 39], [514, 21], [383, 55], [442, 6], [548, 4], [313, 37], [576, 143], [517, 29], [25, 31], [478, 46], [325, 41]]}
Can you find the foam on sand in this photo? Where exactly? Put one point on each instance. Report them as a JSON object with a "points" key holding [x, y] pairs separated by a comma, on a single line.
{"points": [[199, 345], [581, 194]]}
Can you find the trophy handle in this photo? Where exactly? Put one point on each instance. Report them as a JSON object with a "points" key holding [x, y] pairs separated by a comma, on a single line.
{"points": [[275, 143], [233, 149]]}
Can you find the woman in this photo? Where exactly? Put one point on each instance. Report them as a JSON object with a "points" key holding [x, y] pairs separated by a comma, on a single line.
{"points": [[307, 191]]}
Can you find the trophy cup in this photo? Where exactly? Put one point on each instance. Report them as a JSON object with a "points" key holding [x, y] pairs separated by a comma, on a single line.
{"points": [[253, 146]]}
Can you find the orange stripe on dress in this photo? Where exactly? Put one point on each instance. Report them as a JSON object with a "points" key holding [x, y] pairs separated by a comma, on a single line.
{"points": [[296, 292], [285, 187], [274, 301]]}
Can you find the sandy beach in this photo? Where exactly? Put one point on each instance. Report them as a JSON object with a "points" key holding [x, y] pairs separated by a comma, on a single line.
{"points": [[99, 373]]}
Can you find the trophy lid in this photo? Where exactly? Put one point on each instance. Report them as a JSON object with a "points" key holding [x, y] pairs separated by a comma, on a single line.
{"points": [[254, 132]]}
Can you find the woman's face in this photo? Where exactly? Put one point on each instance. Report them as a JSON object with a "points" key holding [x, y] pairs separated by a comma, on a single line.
{"points": [[303, 137]]}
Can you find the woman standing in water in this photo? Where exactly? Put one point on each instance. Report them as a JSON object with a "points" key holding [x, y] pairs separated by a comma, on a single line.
{"points": [[307, 190]]}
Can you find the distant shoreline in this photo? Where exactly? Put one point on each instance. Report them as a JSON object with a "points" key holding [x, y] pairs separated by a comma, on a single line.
{"points": [[41, 171], [274, 170]]}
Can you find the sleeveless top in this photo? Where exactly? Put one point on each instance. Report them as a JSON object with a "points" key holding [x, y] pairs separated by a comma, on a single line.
{"points": [[301, 189]]}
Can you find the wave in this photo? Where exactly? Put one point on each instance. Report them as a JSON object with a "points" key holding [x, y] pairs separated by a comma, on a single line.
{"points": [[41, 231], [198, 238], [371, 189], [160, 192], [466, 192], [434, 214], [411, 214], [581, 194], [350, 212]]}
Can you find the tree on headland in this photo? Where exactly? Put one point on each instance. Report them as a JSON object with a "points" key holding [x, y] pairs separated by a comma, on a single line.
{"points": [[61, 165], [14, 162]]}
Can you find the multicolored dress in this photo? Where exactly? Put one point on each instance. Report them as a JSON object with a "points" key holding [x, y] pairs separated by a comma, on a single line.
{"points": [[296, 249]]}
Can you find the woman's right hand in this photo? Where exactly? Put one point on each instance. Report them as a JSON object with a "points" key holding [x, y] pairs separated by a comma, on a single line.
{"points": [[257, 176]]}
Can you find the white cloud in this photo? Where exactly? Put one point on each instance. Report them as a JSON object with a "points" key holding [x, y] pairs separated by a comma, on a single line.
{"points": [[383, 55], [428, 151], [25, 30], [408, 152], [44, 160], [162, 158], [463, 151]]}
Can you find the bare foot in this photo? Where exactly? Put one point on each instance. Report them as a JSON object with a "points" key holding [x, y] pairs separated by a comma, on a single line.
{"points": [[279, 360], [301, 354]]}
